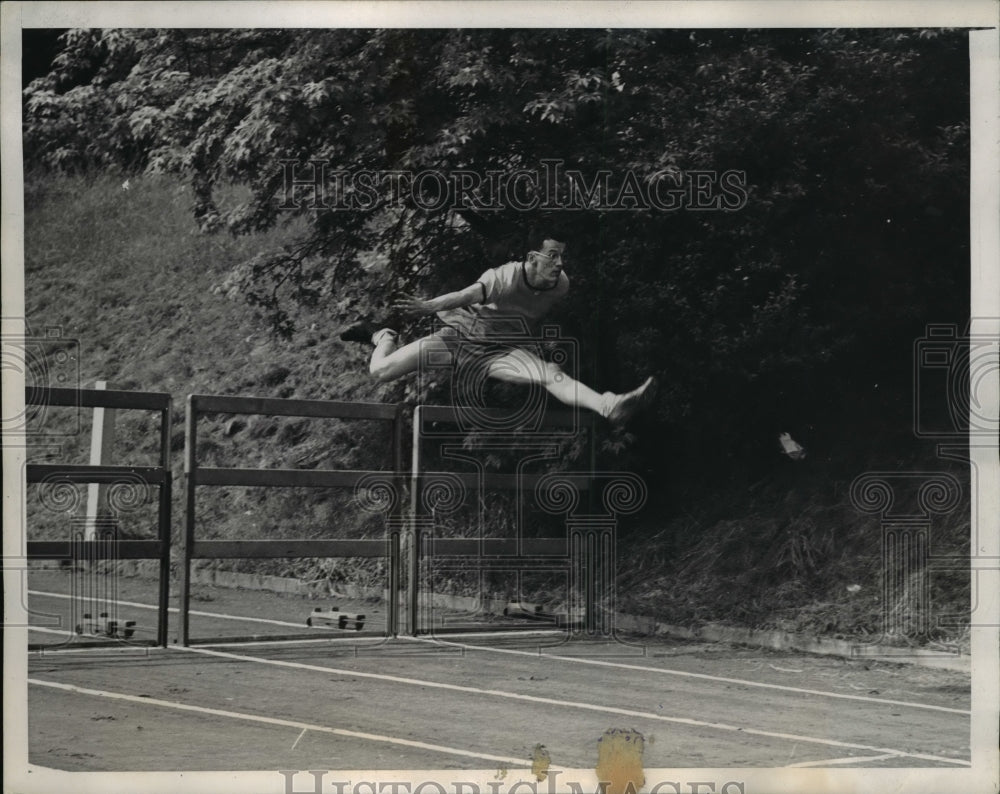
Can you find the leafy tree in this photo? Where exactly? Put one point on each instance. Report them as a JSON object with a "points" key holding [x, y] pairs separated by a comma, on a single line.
{"points": [[779, 309]]}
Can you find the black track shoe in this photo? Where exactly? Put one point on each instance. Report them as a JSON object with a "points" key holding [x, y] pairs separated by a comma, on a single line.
{"points": [[359, 332]]}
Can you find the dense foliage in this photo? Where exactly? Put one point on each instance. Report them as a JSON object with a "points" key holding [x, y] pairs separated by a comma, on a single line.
{"points": [[792, 303]]}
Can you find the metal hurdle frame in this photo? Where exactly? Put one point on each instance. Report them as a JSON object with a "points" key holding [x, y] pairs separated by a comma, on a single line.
{"points": [[515, 554], [160, 475], [196, 476]]}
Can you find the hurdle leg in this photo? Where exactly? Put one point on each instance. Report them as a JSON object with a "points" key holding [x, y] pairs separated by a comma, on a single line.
{"points": [[187, 537], [163, 518]]}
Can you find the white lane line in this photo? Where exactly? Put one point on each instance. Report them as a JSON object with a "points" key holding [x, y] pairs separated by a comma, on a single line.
{"points": [[301, 625], [303, 726], [684, 673], [857, 759], [512, 633], [566, 704], [508, 633], [308, 640], [67, 648], [338, 638], [51, 631], [318, 641], [44, 630], [83, 638], [299, 739]]}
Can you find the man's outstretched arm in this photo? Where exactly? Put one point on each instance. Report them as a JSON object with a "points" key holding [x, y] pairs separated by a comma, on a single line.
{"points": [[452, 300]]}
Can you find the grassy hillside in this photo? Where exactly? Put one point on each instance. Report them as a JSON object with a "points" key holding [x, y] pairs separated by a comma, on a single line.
{"points": [[144, 297], [148, 302]]}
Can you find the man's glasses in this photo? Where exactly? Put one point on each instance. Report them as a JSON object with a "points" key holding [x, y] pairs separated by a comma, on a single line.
{"points": [[548, 256]]}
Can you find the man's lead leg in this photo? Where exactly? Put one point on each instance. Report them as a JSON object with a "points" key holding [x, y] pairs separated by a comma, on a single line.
{"points": [[522, 366]]}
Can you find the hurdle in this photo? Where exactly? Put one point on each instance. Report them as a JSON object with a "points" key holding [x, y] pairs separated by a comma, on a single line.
{"points": [[196, 476], [109, 547], [577, 555]]}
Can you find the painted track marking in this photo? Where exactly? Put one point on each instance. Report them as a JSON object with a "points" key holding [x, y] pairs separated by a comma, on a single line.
{"points": [[52, 631], [303, 726], [269, 643], [117, 650], [684, 673], [136, 604], [316, 641], [836, 761], [223, 616], [348, 638], [570, 704]]}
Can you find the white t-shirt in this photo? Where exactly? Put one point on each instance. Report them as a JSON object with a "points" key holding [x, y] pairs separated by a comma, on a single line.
{"points": [[510, 306]]}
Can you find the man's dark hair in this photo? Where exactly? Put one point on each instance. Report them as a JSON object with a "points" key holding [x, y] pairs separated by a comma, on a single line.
{"points": [[542, 233]]}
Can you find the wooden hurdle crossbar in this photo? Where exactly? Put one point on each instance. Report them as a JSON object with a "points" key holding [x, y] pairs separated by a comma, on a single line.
{"points": [[159, 476], [197, 476]]}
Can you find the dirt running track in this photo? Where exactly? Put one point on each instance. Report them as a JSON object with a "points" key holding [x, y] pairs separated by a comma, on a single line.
{"points": [[480, 702]]}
